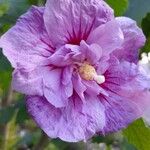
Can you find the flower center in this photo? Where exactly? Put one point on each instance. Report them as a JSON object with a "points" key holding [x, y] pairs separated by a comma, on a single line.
{"points": [[88, 72]]}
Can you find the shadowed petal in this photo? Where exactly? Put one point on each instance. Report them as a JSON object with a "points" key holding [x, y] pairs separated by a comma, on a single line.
{"points": [[70, 21], [54, 90], [78, 86]]}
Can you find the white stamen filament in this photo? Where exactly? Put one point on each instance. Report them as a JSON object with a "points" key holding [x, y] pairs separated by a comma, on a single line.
{"points": [[99, 78]]}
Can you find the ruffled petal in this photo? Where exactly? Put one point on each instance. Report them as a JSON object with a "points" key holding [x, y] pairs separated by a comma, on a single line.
{"points": [[65, 56], [67, 75], [133, 83], [30, 83], [73, 123], [78, 86], [119, 111], [109, 37], [26, 45], [134, 39], [70, 21], [67, 81], [92, 52], [92, 88], [128, 89], [54, 90]]}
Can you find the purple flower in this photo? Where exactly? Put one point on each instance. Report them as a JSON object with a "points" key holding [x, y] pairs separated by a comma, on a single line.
{"points": [[78, 65]]}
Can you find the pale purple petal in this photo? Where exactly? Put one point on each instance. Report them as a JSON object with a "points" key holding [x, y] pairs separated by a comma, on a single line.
{"points": [[65, 55], [25, 44], [92, 53], [70, 21], [54, 91], [73, 123], [67, 81], [92, 88], [109, 37], [129, 94], [67, 75], [133, 83], [78, 86], [134, 39], [120, 112], [29, 83], [102, 65]]}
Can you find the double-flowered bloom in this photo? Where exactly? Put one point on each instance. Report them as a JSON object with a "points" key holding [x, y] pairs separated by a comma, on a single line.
{"points": [[77, 64]]}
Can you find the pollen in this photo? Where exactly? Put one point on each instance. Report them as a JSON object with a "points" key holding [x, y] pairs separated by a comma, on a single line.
{"points": [[88, 72]]}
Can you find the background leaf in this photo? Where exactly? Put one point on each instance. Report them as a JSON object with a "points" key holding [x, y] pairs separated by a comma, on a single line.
{"points": [[138, 9], [119, 6], [146, 29], [22, 114], [138, 134], [6, 114], [5, 73], [3, 8], [146, 25]]}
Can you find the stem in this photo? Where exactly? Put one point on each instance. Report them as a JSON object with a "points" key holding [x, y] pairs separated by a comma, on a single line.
{"points": [[6, 101], [43, 142]]}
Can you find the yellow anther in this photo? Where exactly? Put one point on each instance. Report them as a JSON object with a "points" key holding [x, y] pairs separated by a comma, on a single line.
{"points": [[88, 72]]}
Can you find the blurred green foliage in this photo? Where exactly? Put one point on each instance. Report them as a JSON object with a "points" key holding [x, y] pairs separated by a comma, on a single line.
{"points": [[146, 29], [138, 134], [146, 25], [3, 8], [138, 9], [119, 6], [19, 132]]}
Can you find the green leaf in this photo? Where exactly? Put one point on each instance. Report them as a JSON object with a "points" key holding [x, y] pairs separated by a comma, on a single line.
{"points": [[138, 9], [22, 114], [146, 25], [138, 134], [125, 145], [6, 114], [3, 8], [33, 2], [119, 6], [5, 72], [5, 79], [16, 8], [146, 29], [4, 63], [146, 48], [36, 2], [109, 139]]}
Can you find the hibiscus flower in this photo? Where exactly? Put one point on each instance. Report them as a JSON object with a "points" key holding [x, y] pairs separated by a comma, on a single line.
{"points": [[77, 64]]}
